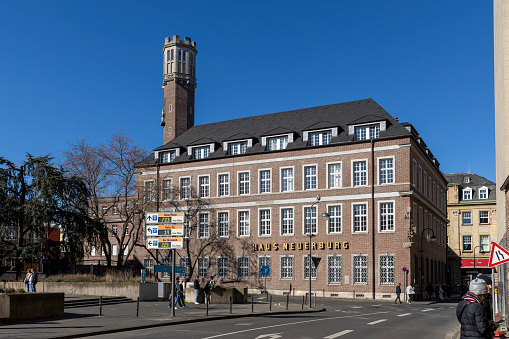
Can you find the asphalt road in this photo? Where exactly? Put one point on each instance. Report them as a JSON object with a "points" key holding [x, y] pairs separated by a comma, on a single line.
{"points": [[343, 319]]}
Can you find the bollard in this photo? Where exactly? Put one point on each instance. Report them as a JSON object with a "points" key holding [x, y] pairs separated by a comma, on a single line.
{"points": [[207, 303], [270, 304], [315, 299], [252, 305], [137, 306], [230, 305], [303, 302], [287, 299], [100, 306]]}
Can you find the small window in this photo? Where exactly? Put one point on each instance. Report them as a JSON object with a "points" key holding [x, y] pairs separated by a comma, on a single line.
{"points": [[104, 210], [467, 243], [277, 143], [467, 194], [310, 220], [334, 219], [149, 191], [467, 218], [466, 180], [287, 267], [243, 267], [237, 148], [320, 138], [483, 193], [223, 224], [114, 229], [201, 152], [360, 218], [367, 132], [165, 157]]}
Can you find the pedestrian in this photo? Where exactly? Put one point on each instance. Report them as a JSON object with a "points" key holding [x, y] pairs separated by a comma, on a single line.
{"points": [[440, 293], [410, 291], [429, 291], [196, 290], [27, 280], [487, 304], [398, 292], [471, 315], [207, 290], [32, 281], [176, 293], [437, 291], [182, 295]]}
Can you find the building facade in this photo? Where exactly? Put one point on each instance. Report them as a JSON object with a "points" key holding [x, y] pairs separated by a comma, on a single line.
{"points": [[471, 207], [250, 188]]}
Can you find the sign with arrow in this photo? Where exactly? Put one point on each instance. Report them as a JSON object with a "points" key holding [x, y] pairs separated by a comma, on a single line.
{"points": [[164, 230], [164, 217], [165, 243], [499, 255]]}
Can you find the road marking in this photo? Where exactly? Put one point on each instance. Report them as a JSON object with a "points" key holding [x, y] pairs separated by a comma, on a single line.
{"points": [[357, 306], [376, 322], [293, 323], [404, 314], [339, 334], [427, 310]]}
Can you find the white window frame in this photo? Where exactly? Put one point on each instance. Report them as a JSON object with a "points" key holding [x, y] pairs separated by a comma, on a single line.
{"points": [[290, 181], [367, 127], [185, 191], [204, 151], [380, 170], [261, 180], [487, 244], [203, 261], [220, 226], [166, 190], [360, 173], [260, 266], [391, 270], [206, 230], [248, 223], [261, 222], [393, 202], [221, 269], [311, 209], [305, 177], [463, 243], [314, 271], [287, 269], [463, 218], [204, 189], [467, 193], [340, 218], [149, 193], [483, 190], [241, 268], [487, 218], [266, 140], [365, 204], [219, 183], [324, 137], [282, 219], [114, 250], [363, 281], [329, 282], [239, 192], [237, 147], [306, 134], [339, 183]]}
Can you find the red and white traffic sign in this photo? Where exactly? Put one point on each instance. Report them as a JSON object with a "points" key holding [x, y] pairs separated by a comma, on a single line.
{"points": [[499, 255]]}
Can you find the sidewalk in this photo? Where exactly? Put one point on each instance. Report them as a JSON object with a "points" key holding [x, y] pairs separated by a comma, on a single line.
{"points": [[85, 321]]}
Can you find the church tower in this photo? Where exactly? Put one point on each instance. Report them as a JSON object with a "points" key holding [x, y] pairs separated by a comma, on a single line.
{"points": [[179, 82]]}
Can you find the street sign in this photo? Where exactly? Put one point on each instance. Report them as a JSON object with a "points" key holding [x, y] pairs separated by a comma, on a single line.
{"points": [[164, 230], [499, 255], [316, 261], [165, 243], [265, 270], [404, 269], [164, 217], [167, 269]]}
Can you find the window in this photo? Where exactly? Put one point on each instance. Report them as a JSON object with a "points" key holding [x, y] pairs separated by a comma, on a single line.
{"points": [[386, 170], [235, 148], [149, 192], [466, 180], [334, 269], [201, 152], [310, 177], [334, 219], [360, 269], [222, 267], [126, 229], [224, 224], [243, 267], [243, 223], [320, 138], [265, 182], [165, 157], [149, 266], [104, 210], [203, 225], [306, 268], [265, 228], [310, 220], [203, 267], [115, 210], [286, 179], [277, 143], [467, 218], [114, 249], [166, 190], [360, 173], [360, 218], [10, 234], [243, 183], [224, 185], [387, 270], [334, 175], [263, 261], [114, 229], [185, 188], [204, 186], [484, 217], [485, 243], [467, 194], [287, 221], [483, 193], [286, 267], [386, 216], [367, 132], [467, 243], [184, 262]]}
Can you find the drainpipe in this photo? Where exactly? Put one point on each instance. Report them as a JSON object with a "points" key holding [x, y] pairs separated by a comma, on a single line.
{"points": [[373, 213]]}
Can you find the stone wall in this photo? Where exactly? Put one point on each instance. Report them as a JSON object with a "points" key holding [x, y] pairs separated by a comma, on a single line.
{"points": [[25, 306]]}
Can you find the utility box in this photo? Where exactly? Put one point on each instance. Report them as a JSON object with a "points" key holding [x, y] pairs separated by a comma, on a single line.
{"points": [[164, 290]]}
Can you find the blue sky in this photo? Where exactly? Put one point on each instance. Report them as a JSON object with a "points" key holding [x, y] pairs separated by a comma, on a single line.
{"points": [[76, 69]]}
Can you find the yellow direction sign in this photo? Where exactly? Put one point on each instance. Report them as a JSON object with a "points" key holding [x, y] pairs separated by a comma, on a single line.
{"points": [[165, 243], [164, 218], [164, 230]]}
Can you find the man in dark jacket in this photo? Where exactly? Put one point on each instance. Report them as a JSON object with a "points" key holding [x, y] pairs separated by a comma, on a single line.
{"points": [[398, 293], [487, 300], [471, 315]]}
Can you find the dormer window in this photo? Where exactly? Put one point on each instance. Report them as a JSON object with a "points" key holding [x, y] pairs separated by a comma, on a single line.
{"points": [[367, 132], [277, 143], [201, 152], [165, 157], [483, 192], [320, 138], [237, 148], [466, 180], [467, 194]]}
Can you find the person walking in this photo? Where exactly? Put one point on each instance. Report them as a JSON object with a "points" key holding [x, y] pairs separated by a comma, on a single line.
{"points": [[27, 280], [429, 290], [471, 315], [207, 289], [32, 281], [410, 291], [177, 295], [398, 292], [181, 294], [488, 302], [196, 290]]}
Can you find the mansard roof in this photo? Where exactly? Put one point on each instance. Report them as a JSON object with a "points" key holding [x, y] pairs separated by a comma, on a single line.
{"points": [[475, 182]]}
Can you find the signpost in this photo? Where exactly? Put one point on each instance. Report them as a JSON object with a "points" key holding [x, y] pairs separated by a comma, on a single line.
{"points": [[164, 218], [498, 255], [168, 269], [165, 230], [265, 273], [165, 243]]}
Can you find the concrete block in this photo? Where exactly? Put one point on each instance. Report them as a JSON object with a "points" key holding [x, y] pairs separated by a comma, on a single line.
{"points": [[29, 306]]}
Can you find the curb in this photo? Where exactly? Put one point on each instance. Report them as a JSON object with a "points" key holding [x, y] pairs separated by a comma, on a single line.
{"points": [[187, 321]]}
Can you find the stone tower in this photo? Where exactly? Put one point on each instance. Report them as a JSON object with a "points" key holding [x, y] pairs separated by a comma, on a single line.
{"points": [[179, 82]]}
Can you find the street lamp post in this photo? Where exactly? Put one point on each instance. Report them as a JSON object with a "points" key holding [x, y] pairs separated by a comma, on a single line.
{"points": [[482, 252], [433, 239], [325, 216]]}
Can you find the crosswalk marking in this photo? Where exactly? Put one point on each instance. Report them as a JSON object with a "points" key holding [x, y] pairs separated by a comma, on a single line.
{"points": [[376, 322], [339, 334], [427, 310], [404, 314]]}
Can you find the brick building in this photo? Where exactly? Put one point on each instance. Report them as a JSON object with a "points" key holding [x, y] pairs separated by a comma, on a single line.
{"points": [[250, 186]]}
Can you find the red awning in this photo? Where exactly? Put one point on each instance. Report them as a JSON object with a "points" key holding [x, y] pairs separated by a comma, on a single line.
{"points": [[478, 263]]}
